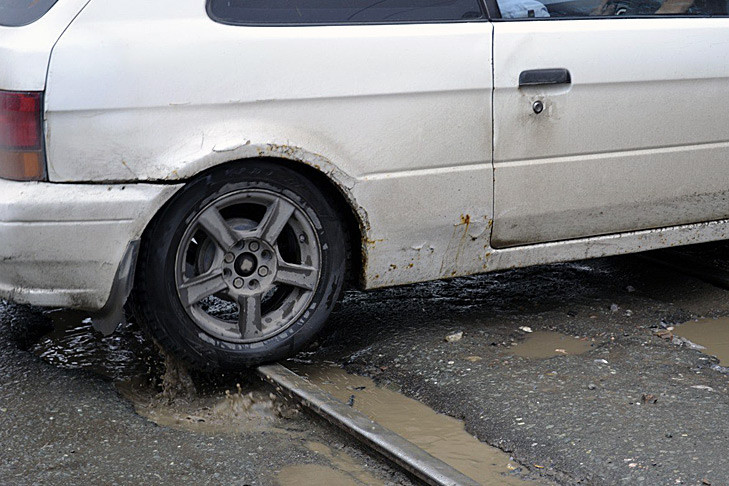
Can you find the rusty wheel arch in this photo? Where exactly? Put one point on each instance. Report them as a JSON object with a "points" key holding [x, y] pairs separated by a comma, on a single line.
{"points": [[353, 216]]}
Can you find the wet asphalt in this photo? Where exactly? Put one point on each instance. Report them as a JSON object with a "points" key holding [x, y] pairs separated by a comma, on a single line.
{"points": [[634, 408], [63, 426]]}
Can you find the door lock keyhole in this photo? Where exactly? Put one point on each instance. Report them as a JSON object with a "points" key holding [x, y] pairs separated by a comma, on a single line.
{"points": [[538, 107]]}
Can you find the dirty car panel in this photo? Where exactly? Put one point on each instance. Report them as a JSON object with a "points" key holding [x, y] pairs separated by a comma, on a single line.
{"points": [[636, 140]]}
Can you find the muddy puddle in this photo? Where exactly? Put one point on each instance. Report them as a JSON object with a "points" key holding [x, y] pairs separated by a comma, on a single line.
{"points": [[73, 344], [167, 395], [442, 436], [158, 387], [345, 471], [164, 393], [546, 344], [712, 334]]}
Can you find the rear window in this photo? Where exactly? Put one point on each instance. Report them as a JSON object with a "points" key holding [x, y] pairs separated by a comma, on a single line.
{"points": [[322, 12], [14, 13]]}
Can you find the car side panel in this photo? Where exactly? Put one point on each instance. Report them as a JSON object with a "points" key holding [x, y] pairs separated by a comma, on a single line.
{"points": [[398, 115]]}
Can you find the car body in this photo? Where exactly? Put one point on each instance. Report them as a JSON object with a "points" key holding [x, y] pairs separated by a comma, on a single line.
{"points": [[420, 129]]}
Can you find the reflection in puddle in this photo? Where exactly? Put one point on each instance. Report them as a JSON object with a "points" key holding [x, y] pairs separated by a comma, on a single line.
{"points": [[713, 334], [442, 436], [73, 344], [545, 344]]}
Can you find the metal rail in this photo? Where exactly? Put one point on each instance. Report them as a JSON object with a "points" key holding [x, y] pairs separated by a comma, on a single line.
{"points": [[394, 447]]}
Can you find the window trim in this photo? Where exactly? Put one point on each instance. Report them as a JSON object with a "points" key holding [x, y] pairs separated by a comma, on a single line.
{"points": [[615, 17], [482, 5], [493, 6], [33, 20]]}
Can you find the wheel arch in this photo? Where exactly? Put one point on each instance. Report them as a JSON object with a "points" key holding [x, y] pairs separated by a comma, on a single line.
{"points": [[334, 183]]}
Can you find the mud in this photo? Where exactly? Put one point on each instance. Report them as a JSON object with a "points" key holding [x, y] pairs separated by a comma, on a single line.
{"points": [[545, 344], [443, 437], [211, 407], [234, 412], [314, 475], [348, 472]]}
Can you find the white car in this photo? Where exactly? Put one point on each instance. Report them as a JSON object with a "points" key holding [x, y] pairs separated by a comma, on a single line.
{"points": [[231, 163]]}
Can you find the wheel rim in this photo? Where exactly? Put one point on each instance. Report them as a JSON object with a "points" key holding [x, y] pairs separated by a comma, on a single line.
{"points": [[247, 266]]}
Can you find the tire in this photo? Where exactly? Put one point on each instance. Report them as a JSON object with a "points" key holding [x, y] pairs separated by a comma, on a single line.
{"points": [[255, 236]]}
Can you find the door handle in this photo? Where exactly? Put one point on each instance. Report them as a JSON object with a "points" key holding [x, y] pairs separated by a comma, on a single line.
{"points": [[538, 77]]}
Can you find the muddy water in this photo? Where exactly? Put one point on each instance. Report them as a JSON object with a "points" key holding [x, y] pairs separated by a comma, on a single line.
{"points": [[158, 387], [164, 393], [442, 436], [713, 334], [73, 344], [348, 471], [231, 412], [546, 344]]}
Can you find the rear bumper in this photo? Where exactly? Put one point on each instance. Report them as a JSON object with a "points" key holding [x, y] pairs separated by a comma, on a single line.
{"points": [[61, 244]]}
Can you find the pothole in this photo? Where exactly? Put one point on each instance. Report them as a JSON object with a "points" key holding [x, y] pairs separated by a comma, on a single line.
{"points": [[711, 334], [443, 437], [345, 471], [158, 387], [546, 344]]}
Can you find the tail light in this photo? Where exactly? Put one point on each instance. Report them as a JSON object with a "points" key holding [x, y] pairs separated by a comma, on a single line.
{"points": [[22, 156]]}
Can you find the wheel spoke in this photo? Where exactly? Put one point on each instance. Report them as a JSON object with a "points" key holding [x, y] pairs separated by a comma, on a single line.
{"points": [[249, 316], [217, 228], [296, 275], [197, 288], [275, 220]]}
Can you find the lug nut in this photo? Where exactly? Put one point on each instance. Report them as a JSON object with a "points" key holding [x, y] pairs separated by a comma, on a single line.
{"points": [[254, 246], [263, 271], [238, 283], [229, 257]]}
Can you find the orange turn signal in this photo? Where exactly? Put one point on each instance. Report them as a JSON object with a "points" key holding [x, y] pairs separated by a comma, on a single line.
{"points": [[21, 166]]}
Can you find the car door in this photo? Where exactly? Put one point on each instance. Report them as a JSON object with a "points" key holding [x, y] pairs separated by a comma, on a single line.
{"points": [[607, 120]]}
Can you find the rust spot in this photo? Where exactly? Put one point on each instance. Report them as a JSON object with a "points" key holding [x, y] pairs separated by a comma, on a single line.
{"points": [[466, 219], [410, 265], [393, 266]]}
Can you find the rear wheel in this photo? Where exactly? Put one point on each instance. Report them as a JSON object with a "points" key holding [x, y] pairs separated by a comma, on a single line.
{"points": [[242, 266]]}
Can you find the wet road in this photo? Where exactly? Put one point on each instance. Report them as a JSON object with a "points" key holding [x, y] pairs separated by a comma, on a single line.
{"points": [[71, 426], [578, 371]]}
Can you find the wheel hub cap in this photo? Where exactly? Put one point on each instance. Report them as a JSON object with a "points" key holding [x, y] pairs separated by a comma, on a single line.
{"points": [[246, 264], [250, 267]]}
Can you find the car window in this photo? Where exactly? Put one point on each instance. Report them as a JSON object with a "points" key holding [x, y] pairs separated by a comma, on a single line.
{"points": [[515, 9], [14, 13], [317, 12]]}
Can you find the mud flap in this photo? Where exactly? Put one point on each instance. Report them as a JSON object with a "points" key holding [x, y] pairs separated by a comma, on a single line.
{"points": [[111, 315]]}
